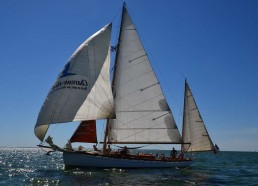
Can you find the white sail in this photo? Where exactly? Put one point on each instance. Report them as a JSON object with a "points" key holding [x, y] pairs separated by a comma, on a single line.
{"points": [[82, 90], [194, 130], [142, 113]]}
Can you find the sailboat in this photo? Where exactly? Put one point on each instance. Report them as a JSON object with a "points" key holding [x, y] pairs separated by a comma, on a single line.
{"points": [[133, 104]]}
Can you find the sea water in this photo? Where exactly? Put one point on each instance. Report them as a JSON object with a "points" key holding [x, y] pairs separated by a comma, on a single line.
{"points": [[31, 166]]}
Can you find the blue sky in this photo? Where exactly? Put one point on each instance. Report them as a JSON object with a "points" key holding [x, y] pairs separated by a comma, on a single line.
{"points": [[212, 43]]}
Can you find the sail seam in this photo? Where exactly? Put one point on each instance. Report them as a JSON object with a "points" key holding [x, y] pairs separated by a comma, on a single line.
{"points": [[128, 94], [141, 111], [123, 83], [132, 106], [126, 124], [143, 129], [157, 124]]}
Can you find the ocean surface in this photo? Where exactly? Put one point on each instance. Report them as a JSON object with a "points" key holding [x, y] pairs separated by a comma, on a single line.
{"points": [[31, 166]]}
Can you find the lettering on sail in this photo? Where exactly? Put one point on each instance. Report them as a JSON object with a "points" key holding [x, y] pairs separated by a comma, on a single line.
{"points": [[70, 84]]}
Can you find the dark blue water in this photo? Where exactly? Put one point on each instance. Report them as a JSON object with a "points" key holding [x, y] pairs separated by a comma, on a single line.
{"points": [[30, 166]]}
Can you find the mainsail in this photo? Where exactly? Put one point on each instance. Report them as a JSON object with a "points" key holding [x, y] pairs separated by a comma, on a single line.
{"points": [[194, 130], [82, 90], [142, 113]]}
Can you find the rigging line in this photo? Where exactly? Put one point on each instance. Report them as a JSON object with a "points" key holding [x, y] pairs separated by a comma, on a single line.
{"points": [[106, 94], [130, 93], [125, 124], [117, 14], [171, 94], [116, 44], [142, 38], [143, 111], [189, 130], [132, 106], [95, 75], [102, 130], [137, 34], [53, 129], [151, 127], [129, 42], [136, 77], [138, 133], [148, 128], [102, 84], [64, 104], [139, 51]]}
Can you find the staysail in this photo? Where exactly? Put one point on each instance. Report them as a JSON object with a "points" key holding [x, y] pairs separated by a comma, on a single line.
{"points": [[82, 90], [142, 113], [194, 130], [86, 132]]}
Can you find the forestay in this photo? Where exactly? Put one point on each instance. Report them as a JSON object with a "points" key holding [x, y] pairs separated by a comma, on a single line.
{"points": [[142, 113], [194, 130], [82, 90]]}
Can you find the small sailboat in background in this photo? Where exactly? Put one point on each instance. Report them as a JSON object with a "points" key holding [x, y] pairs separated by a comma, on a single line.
{"points": [[133, 104]]}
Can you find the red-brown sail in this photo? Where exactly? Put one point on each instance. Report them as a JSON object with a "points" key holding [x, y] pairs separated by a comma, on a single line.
{"points": [[86, 132]]}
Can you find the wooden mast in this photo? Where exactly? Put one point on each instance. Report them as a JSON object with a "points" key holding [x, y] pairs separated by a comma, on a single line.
{"points": [[114, 75]]}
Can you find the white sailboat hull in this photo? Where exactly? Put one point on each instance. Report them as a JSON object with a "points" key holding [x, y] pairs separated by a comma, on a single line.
{"points": [[74, 159]]}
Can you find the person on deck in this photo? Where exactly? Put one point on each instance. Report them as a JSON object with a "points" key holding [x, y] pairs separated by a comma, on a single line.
{"points": [[68, 146], [96, 149], [124, 150], [173, 153], [108, 150]]}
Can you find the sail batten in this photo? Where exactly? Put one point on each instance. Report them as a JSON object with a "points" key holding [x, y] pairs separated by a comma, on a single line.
{"points": [[142, 113]]}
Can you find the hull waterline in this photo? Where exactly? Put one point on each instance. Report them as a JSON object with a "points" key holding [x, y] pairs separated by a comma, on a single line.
{"points": [[73, 159]]}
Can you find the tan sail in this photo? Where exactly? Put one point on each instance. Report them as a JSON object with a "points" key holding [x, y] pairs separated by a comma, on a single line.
{"points": [[194, 130]]}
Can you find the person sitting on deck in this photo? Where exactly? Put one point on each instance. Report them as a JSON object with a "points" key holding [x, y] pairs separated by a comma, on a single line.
{"points": [[96, 149], [124, 150], [81, 148], [108, 151], [50, 142], [68, 146], [173, 153]]}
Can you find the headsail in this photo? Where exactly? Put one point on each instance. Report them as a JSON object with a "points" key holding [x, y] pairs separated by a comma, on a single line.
{"points": [[142, 113], [194, 130], [82, 90], [86, 132]]}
